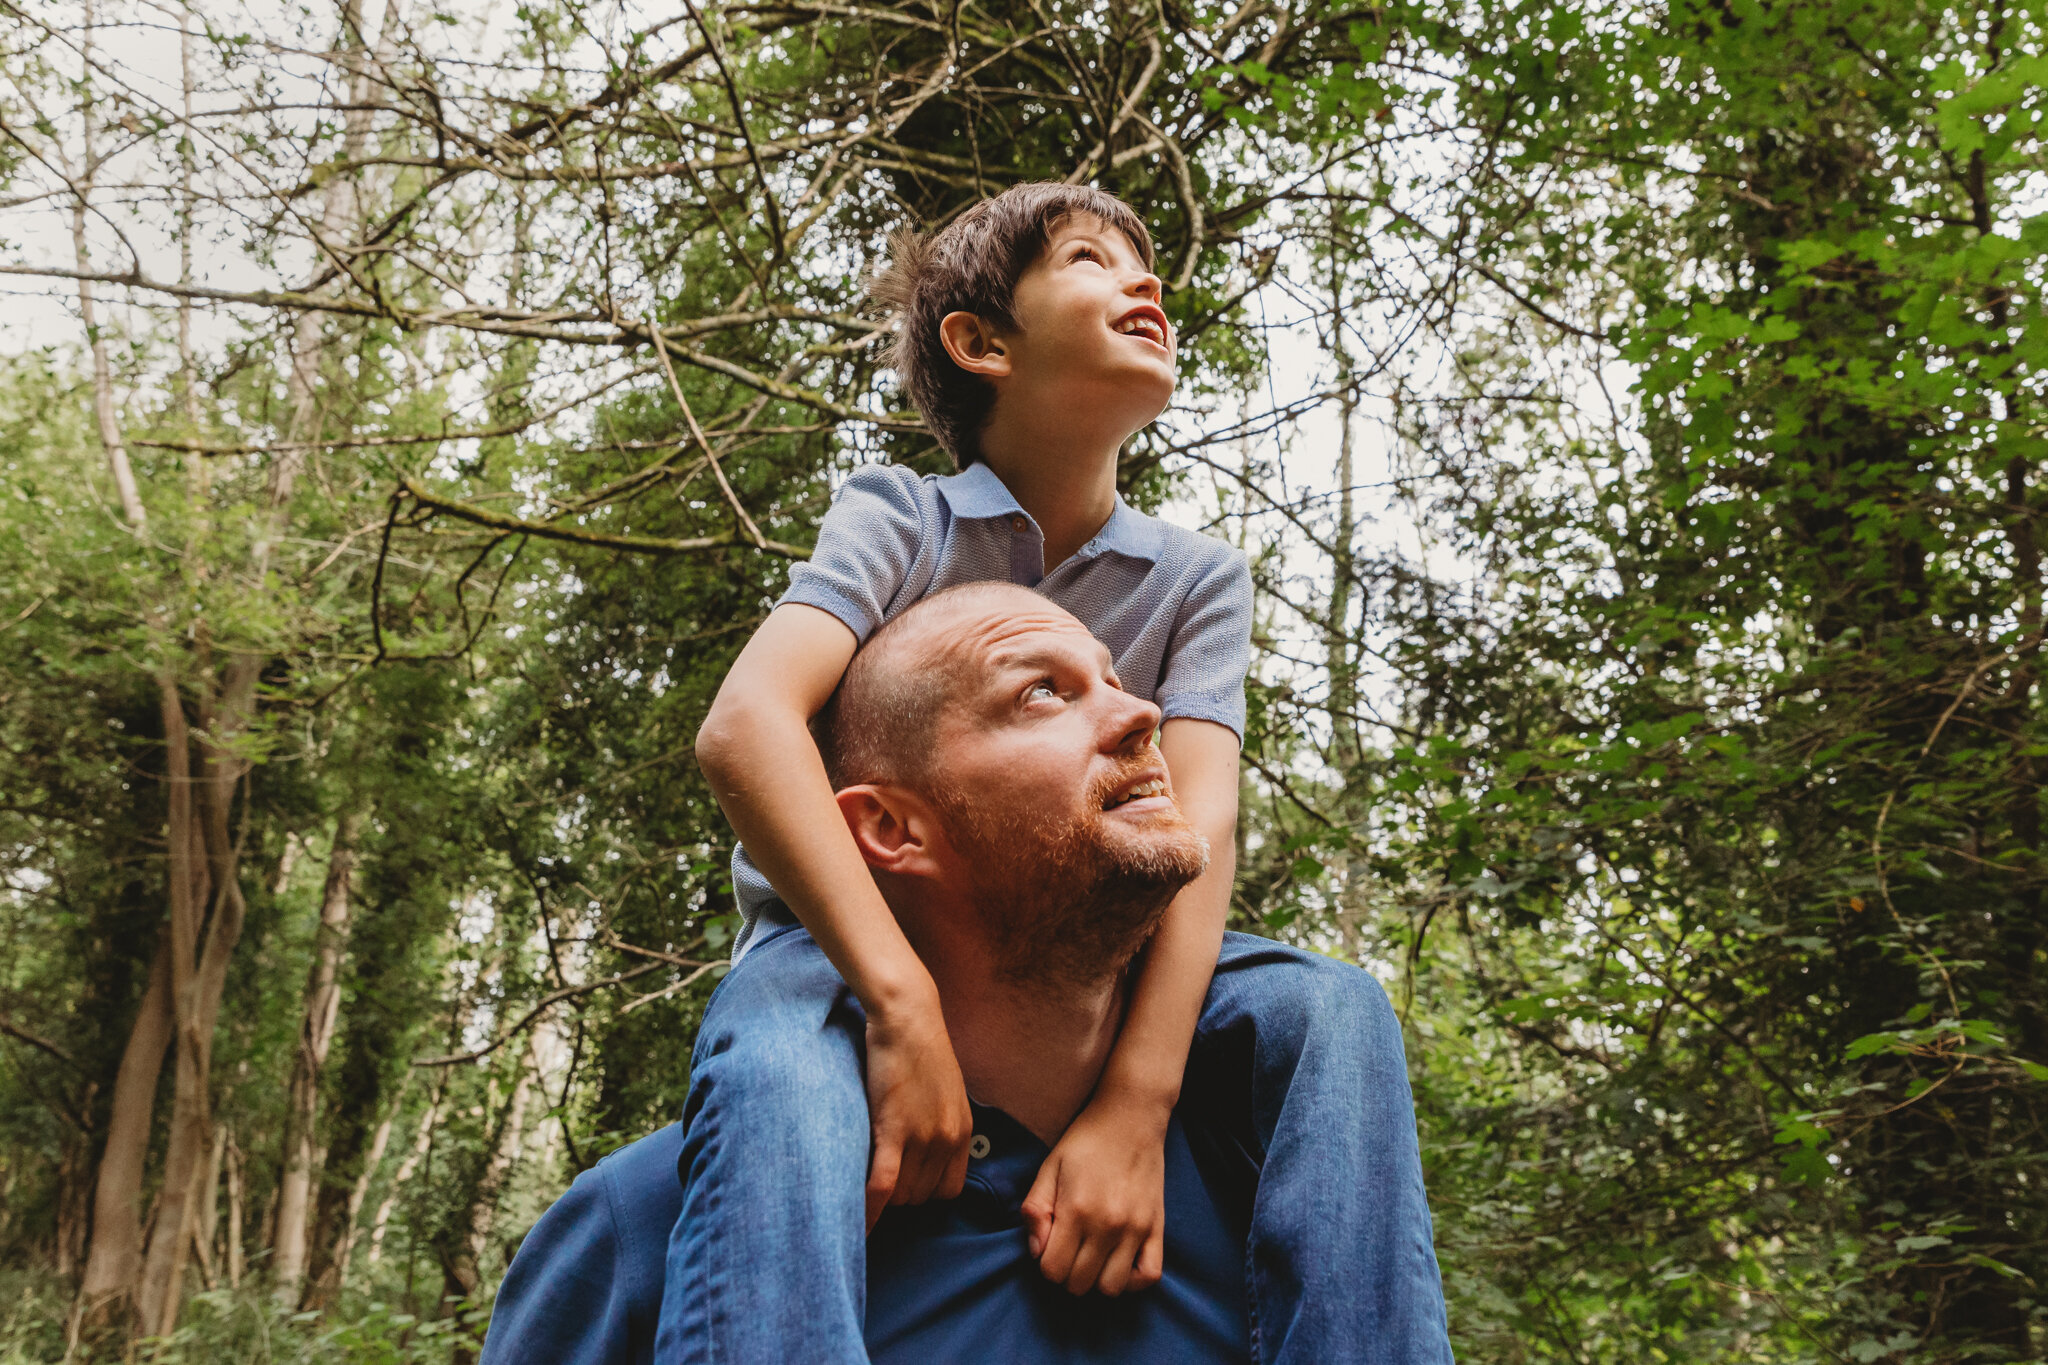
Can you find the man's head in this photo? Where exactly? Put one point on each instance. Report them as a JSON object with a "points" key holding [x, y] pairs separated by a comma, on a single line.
{"points": [[990, 766], [1046, 287]]}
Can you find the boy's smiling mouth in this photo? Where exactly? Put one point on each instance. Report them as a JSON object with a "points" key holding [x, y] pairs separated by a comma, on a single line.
{"points": [[1147, 322]]}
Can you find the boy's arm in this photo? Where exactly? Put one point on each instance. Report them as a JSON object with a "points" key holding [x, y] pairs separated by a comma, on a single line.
{"points": [[757, 752], [1097, 1209]]}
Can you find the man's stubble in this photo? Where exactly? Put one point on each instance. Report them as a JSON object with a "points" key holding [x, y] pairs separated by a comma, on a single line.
{"points": [[1069, 897]]}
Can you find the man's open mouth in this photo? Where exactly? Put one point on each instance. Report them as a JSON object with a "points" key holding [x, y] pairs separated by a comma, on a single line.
{"points": [[1147, 322], [1151, 786]]}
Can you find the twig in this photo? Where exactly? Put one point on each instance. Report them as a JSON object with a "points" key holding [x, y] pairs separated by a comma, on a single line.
{"points": [[666, 991], [550, 999], [739, 116], [697, 432], [8, 1026], [31, 610], [654, 545]]}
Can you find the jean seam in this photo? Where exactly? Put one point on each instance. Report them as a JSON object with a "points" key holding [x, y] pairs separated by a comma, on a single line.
{"points": [[1251, 1290], [714, 1202]]}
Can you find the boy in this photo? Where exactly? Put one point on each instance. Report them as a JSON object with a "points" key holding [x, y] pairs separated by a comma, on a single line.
{"points": [[1031, 338]]}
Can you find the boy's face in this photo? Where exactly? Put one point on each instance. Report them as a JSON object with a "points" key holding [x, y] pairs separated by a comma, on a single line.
{"points": [[1090, 328]]}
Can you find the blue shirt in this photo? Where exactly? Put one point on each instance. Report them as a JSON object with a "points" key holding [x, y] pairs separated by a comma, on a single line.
{"points": [[1173, 606], [946, 1281]]}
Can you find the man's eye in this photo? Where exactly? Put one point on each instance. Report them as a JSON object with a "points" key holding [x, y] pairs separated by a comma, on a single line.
{"points": [[1042, 689]]}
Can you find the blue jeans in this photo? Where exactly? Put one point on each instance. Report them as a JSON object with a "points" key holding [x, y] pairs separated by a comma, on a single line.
{"points": [[1299, 1056]]}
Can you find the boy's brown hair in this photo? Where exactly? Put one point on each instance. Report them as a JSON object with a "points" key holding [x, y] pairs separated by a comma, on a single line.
{"points": [[972, 265]]}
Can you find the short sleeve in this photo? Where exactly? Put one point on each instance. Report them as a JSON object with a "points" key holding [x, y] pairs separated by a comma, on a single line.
{"points": [[564, 1300], [1211, 648], [868, 545]]}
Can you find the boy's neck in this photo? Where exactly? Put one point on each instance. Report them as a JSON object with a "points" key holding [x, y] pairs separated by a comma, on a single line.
{"points": [[1065, 480]]}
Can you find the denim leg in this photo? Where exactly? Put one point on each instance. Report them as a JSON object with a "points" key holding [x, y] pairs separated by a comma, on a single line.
{"points": [[1341, 1266], [768, 1261]]}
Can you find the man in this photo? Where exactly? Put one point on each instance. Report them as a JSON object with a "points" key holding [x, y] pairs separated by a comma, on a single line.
{"points": [[1006, 793]]}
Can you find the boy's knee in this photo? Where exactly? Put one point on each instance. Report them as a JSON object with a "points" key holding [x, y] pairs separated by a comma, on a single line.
{"points": [[1306, 994], [790, 1094]]}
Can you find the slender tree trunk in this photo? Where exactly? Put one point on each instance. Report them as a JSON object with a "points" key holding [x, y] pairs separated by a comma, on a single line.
{"points": [[1343, 703], [237, 1262], [464, 1267], [206, 1216], [74, 1191], [114, 1262], [328, 1287], [102, 370], [316, 1035], [421, 1142]]}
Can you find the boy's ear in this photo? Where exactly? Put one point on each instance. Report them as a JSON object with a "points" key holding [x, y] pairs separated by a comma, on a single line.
{"points": [[974, 345], [893, 830]]}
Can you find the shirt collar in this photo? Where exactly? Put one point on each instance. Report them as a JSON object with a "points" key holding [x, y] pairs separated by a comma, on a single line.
{"points": [[975, 493], [1005, 1156]]}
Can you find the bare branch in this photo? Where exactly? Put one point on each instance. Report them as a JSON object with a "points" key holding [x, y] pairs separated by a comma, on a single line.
{"points": [[653, 545]]}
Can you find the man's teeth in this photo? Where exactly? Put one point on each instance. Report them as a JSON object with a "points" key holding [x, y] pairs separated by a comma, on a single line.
{"points": [[1155, 787], [1143, 326]]}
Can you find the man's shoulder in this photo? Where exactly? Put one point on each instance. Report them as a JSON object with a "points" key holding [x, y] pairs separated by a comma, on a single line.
{"points": [[585, 1286]]}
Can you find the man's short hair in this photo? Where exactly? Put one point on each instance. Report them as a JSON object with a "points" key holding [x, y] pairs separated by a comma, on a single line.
{"points": [[880, 724], [972, 265]]}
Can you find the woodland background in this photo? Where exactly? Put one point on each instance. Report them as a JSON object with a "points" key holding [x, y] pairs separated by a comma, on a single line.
{"points": [[1634, 414]]}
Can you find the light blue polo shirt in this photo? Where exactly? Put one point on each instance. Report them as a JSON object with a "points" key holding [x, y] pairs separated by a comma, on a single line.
{"points": [[1173, 606]]}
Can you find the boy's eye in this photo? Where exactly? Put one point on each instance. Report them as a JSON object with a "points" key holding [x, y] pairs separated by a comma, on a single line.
{"points": [[1087, 253]]}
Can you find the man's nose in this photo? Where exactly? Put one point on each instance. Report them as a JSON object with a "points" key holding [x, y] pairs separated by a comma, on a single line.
{"points": [[1133, 722]]}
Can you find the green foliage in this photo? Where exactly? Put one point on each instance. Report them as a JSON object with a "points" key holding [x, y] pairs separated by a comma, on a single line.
{"points": [[1686, 786]]}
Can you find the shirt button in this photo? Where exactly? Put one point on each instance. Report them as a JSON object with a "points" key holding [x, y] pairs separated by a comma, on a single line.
{"points": [[979, 1147], [1019, 525]]}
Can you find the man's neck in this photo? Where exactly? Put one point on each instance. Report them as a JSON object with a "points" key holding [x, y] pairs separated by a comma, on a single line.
{"points": [[1062, 473], [1034, 1051]]}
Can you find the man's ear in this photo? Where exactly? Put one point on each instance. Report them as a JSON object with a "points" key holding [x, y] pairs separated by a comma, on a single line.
{"points": [[895, 832], [974, 345]]}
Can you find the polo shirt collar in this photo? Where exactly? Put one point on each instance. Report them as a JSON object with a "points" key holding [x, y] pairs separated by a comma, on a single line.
{"points": [[1004, 1156], [975, 494]]}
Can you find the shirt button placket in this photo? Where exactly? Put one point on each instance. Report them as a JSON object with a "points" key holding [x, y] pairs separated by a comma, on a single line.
{"points": [[1027, 564]]}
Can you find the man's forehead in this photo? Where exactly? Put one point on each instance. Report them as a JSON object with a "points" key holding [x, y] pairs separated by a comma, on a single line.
{"points": [[1013, 636]]}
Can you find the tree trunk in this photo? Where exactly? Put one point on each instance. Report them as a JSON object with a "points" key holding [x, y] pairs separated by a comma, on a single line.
{"points": [[114, 1262], [316, 1035], [75, 1187], [464, 1266], [327, 1287], [237, 1263], [421, 1142], [102, 370], [200, 955], [206, 1216]]}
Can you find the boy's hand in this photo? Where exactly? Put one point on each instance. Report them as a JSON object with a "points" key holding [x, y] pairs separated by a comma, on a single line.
{"points": [[917, 1112], [1097, 1212]]}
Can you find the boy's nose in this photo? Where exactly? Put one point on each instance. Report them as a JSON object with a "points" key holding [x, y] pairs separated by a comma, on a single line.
{"points": [[1147, 286]]}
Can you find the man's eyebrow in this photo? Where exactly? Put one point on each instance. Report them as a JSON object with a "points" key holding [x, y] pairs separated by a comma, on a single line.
{"points": [[1035, 658]]}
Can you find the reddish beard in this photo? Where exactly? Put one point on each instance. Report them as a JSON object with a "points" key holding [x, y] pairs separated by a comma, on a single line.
{"points": [[1070, 896]]}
